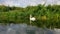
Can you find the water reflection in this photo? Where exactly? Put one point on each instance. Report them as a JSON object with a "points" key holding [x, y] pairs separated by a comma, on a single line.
{"points": [[24, 29]]}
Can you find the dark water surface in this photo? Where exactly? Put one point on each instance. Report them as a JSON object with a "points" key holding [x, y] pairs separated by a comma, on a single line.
{"points": [[24, 29]]}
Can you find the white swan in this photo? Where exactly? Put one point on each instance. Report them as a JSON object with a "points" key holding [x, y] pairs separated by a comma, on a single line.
{"points": [[32, 18]]}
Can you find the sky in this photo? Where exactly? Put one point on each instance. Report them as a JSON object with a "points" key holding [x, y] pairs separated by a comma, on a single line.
{"points": [[24, 3]]}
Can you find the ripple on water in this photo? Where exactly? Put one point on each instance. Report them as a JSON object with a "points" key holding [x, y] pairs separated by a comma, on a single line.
{"points": [[23, 29]]}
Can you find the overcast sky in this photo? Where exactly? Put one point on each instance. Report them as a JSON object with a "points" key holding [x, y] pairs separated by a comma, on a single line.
{"points": [[24, 3]]}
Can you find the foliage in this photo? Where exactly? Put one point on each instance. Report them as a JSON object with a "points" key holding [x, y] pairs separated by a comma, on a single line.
{"points": [[46, 16]]}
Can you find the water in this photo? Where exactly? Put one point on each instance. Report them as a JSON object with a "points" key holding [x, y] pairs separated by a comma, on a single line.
{"points": [[25, 29]]}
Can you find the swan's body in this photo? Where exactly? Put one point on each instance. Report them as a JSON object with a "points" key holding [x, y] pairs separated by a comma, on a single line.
{"points": [[32, 19]]}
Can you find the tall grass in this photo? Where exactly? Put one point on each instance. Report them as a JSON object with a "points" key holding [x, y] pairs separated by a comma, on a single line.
{"points": [[46, 16]]}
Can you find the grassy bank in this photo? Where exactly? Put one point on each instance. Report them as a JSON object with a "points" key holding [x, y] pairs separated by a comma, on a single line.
{"points": [[46, 16]]}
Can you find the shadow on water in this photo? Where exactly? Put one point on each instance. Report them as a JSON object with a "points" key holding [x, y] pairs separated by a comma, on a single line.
{"points": [[24, 29]]}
